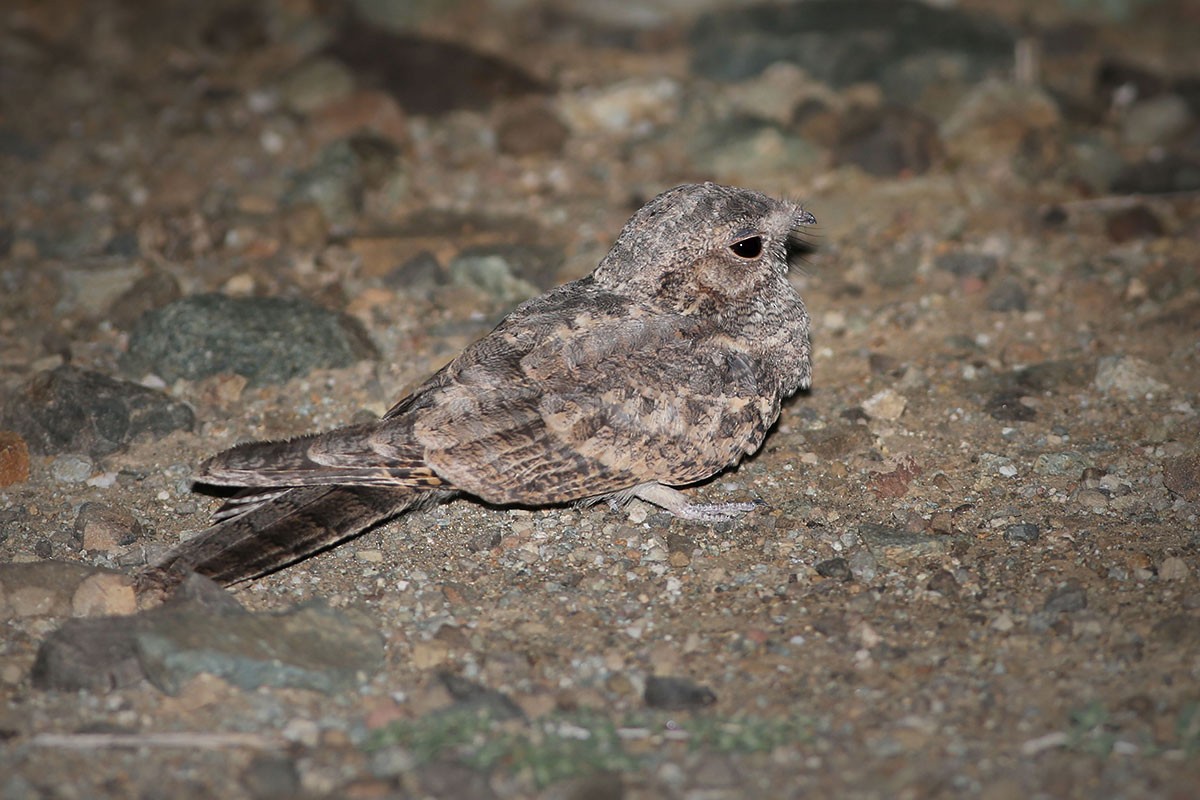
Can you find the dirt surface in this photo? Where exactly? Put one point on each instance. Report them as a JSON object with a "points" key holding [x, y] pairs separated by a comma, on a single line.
{"points": [[976, 569]]}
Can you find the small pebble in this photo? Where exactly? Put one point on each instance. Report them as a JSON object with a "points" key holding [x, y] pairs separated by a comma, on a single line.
{"points": [[1091, 499], [944, 583], [1182, 476], [886, 405], [835, 568], [1008, 295], [1022, 533], [1173, 568], [1127, 377], [271, 777], [1061, 463], [1066, 599], [105, 529], [863, 566], [676, 694], [71, 468], [1090, 478], [968, 265], [1128, 224], [14, 458], [1156, 120]]}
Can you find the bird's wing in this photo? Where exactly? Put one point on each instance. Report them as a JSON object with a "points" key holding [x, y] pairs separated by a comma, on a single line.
{"points": [[362, 455], [598, 403]]}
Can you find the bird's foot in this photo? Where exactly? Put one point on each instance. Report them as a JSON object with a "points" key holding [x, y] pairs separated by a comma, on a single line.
{"points": [[680, 506]]}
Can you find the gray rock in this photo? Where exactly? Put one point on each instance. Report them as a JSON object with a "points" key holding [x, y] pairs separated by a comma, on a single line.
{"points": [[393, 16], [421, 272], [91, 285], [72, 468], [308, 647], [271, 777], [844, 43], [1008, 295], [1005, 405], [1171, 173], [1065, 599], [604, 785], [148, 292], [1048, 376], [16, 787], [835, 568], [734, 149], [453, 76], [966, 264], [1066, 462], [390, 762], [315, 84], [863, 566], [266, 339], [476, 697], [538, 264], [1156, 120], [944, 583], [100, 654], [1178, 630], [889, 141], [453, 779], [1128, 377], [676, 694], [1094, 160], [203, 629], [896, 546], [510, 273], [84, 236], [1022, 533], [71, 410], [334, 184]]}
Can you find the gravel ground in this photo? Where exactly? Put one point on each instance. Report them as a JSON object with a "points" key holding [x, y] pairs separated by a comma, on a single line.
{"points": [[975, 569]]}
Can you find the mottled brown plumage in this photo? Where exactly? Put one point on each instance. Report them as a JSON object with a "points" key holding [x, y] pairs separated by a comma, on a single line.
{"points": [[663, 367]]}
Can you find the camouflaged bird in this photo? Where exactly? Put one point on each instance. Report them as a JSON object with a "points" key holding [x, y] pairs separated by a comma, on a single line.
{"points": [[663, 367]]}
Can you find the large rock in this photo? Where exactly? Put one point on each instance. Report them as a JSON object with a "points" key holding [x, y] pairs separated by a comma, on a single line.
{"points": [[266, 339], [72, 410]]}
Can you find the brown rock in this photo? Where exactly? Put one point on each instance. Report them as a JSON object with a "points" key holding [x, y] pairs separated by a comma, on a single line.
{"points": [[105, 594], [14, 458], [41, 588], [997, 118], [895, 483], [1173, 568], [1182, 476], [1137, 222], [942, 522], [148, 292], [530, 127], [888, 141], [305, 227], [366, 111], [105, 528]]}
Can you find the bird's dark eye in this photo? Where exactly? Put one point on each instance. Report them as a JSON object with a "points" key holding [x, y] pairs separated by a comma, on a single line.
{"points": [[748, 248]]}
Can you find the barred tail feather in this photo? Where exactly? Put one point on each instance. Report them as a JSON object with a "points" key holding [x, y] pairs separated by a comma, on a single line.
{"points": [[291, 527]]}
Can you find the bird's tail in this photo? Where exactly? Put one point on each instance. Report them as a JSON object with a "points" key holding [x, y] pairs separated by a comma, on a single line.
{"points": [[268, 536]]}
